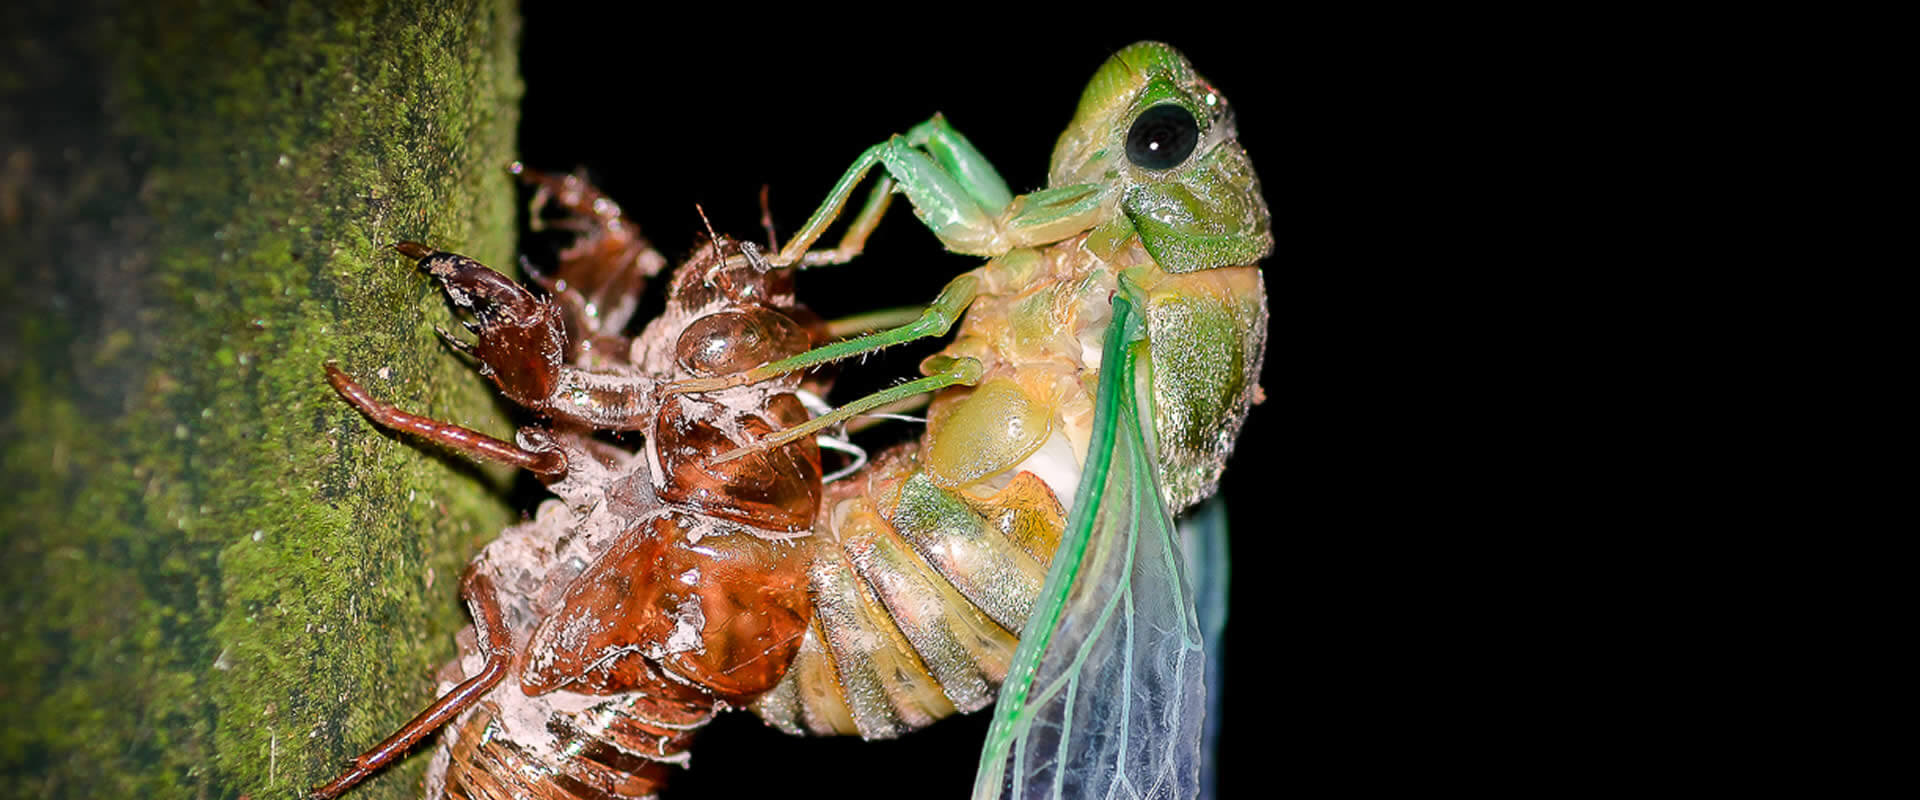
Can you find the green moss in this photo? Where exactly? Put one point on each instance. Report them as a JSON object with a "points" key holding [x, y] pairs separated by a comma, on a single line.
{"points": [[219, 578]]}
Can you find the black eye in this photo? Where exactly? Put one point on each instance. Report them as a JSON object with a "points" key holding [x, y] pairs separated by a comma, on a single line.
{"points": [[1162, 137]]}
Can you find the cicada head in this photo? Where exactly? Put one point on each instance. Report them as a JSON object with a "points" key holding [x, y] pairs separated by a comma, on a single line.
{"points": [[1162, 138]]}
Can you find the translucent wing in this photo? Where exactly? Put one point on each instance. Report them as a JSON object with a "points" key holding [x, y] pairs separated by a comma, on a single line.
{"points": [[1204, 534], [1105, 697]]}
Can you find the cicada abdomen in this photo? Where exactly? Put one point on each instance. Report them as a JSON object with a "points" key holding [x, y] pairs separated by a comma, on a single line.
{"points": [[664, 580]]}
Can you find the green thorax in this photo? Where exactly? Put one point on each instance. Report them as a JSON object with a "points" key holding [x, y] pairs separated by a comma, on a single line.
{"points": [[1047, 308]]}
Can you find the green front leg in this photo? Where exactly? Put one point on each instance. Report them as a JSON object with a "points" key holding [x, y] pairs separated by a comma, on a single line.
{"points": [[936, 320], [947, 371], [957, 157], [953, 189]]}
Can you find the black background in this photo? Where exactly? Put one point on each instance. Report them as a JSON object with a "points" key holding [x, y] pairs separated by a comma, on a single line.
{"points": [[665, 115]]}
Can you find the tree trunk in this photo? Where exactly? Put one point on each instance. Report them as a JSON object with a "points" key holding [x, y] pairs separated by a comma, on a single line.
{"points": [[218, 578]]}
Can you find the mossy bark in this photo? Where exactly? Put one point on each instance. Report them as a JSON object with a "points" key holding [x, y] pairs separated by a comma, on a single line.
{"points": [[218, 578]]}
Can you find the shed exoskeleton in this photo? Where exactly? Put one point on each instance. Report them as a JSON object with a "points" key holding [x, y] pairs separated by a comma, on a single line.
{"points": [[660, 582]]}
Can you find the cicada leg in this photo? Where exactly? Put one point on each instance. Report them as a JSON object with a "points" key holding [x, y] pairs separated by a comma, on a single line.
{"points": [[496, 645], [942, 174], [547, 460], [521, 346], [946, 372], [936, 320], [601, 274]]}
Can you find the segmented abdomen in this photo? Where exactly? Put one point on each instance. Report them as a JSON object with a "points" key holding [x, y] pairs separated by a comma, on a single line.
{"points": [[927, 563], [478, 763], [919, 596]]}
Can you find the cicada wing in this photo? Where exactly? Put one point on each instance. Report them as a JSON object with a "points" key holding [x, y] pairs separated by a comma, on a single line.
{"points": [[1204, 534], [1105, 697]]}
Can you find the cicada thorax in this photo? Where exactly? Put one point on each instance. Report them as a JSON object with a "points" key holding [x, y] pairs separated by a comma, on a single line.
{"points": [[664, 583]]}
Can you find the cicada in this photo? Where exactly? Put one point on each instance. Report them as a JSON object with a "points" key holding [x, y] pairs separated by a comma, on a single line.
{"points": [[1023, 551], [1107, 354]]}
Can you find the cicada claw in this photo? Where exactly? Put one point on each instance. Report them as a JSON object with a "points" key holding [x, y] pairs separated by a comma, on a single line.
{"points": [[458, 345], [521, 337]]}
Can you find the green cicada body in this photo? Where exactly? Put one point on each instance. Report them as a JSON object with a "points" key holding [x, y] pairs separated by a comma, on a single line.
{"points": [[1106, 356]]}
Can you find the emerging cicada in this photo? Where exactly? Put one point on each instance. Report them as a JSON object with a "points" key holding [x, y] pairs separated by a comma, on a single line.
{"points": [[1023, 549], [1107, 354]]}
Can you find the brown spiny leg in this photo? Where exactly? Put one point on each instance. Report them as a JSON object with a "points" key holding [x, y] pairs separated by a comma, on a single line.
{"points": [[603, 271], [522, 346], [496, 644], [547, 462], [520, 336]]}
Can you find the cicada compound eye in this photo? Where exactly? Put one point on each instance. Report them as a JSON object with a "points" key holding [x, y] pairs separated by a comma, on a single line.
{"points": [[1162, 137]]}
